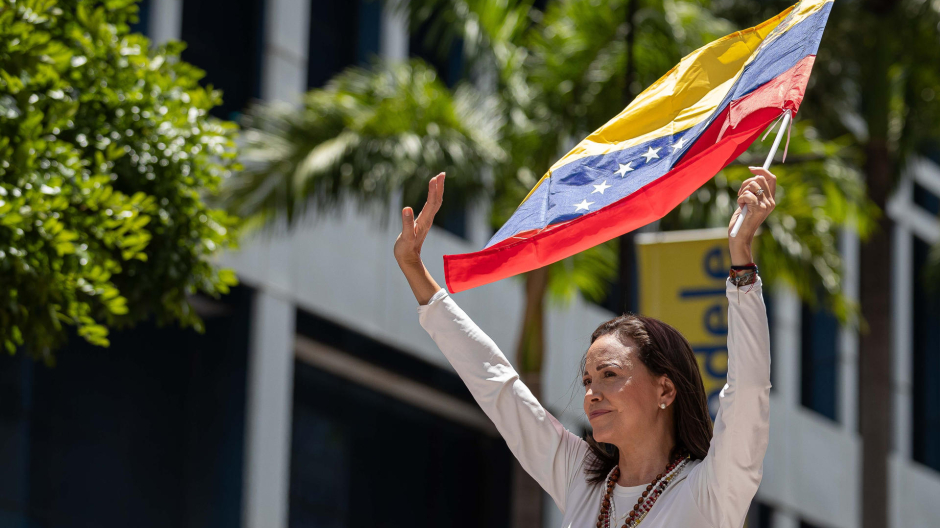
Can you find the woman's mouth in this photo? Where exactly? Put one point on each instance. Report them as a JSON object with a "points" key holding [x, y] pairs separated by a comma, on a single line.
{"points": [[595, 414]]}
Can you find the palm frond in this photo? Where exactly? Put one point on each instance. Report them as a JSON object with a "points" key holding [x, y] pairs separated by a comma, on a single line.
{"points": [[368, 134]]}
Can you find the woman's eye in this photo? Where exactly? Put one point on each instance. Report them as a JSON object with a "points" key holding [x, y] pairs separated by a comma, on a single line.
{"points": [[609, 374], [585, 382]]}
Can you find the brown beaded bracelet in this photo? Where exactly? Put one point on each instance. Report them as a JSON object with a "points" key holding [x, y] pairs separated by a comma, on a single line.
{"points": [[743, 275]]}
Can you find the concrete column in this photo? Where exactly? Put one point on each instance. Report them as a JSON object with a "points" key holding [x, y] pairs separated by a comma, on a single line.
{"points": [[786, 344], [393, 43], [166, 20], [901, 298], [782, 519], [269, 412], [286, 41]]}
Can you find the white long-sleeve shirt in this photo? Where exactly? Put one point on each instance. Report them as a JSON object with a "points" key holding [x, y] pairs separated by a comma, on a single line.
{"points": [[714, 492]]}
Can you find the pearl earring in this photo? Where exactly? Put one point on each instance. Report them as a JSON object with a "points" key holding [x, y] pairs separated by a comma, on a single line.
{"points": [[662, 405]]}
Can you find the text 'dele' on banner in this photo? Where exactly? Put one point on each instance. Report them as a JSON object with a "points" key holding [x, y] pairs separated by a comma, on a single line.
{"points": [[682, 282]]}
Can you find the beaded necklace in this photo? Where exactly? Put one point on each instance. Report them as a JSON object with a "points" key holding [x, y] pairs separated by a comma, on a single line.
{"points": [[647, 498]]}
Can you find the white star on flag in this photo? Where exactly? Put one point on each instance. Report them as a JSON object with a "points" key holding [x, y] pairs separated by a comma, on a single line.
{"points": [[624, 169], [600, 188], [678, 144], [651, 154], [583, 205]]}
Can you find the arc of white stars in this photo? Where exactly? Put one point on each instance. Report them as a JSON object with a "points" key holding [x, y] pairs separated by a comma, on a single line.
{"points": [[583, 205], [600, 188], [651, 154], [624, 169], [678, 144]]}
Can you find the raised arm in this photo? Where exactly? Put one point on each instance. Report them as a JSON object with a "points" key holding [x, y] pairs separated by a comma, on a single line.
{"points": [[724, 484], [544, 448]]}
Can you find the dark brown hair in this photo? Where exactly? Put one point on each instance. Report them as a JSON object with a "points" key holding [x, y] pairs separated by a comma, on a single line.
{"points": [[664, 351]]}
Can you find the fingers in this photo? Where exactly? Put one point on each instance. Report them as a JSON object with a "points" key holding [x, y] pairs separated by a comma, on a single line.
{"points": [[755, 184], [431, 207], [408, 224], [769, 178], [749, 199], [753, 187]]}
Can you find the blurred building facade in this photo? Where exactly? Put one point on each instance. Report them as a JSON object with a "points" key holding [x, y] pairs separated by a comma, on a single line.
{"points": [[315, 399]]}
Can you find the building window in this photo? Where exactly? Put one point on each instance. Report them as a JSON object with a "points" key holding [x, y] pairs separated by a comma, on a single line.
{"points": [[447, 62], [147, 433], [143, 18], [342, 34], [445, 55], [819, 360], [770, 305], [614, 300], [927, 200], [926, 363], [343, 429], [225, 38], [760, 515], [453, 221], [449, 65]]}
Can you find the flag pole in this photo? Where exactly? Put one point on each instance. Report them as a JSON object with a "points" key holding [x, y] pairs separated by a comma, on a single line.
{"points": [[767, 162]]}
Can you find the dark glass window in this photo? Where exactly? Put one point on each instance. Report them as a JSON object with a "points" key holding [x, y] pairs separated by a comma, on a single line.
{"points": [[443, 53], [614, 297], [341, 34], [143, 18], [343, 431], [146, 433], [819, 360], [926, 199], [453, 221], [769, 304], [760, 515], [225, 38], [448, 62], [926, 364]]}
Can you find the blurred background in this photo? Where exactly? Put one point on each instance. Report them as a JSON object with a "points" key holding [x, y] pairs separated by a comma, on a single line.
{"points": [[204, 325]]}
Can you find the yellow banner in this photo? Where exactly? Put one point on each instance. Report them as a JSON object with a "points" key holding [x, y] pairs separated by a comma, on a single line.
{"points": [[682, 282]]}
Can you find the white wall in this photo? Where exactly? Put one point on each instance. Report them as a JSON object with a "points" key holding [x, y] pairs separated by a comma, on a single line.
{"points": [[166, 20]]}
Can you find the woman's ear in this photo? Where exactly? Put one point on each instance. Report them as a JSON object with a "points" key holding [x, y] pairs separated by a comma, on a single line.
{"points": [[667, 390]]}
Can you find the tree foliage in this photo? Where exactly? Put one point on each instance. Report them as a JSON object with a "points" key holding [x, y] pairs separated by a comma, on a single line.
{"points": [[106, 151]]}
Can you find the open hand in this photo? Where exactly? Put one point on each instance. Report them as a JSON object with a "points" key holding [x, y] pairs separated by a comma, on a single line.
{"points": [[758, 194], [413, 232]]}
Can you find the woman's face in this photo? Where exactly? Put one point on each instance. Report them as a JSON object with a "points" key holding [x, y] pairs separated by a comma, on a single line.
{"points": [[621, 396]]}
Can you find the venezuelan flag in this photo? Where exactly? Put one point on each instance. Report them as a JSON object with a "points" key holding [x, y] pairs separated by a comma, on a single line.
{"points": [[670, 140]]}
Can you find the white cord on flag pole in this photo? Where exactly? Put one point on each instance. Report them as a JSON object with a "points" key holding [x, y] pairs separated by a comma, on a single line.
{"points": [[770, 159]]}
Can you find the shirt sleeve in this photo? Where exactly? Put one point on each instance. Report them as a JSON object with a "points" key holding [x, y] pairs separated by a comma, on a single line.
{"points": [[546, 450], [724, 484]]}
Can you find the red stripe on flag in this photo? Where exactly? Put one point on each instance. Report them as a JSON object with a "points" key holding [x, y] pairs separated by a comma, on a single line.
{"points": [[536, 248]]}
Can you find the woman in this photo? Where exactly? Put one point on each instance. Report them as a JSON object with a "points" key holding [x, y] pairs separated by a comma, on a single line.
{"points": [[652, 459]]}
